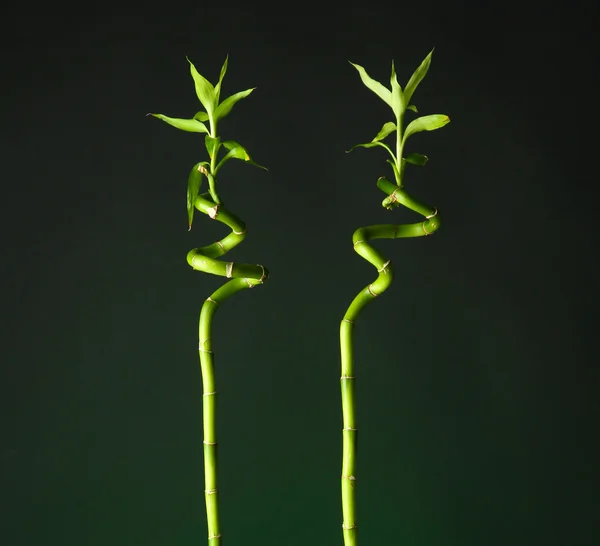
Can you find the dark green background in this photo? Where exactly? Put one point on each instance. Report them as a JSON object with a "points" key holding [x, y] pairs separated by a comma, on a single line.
{"points": [[477, 370]]}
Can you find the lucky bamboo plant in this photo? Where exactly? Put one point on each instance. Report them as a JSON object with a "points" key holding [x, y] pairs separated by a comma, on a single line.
{"points": [[399, 101], [205, 258]]}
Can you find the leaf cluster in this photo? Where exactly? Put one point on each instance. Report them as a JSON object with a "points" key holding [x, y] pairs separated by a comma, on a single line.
{"points": [[399, 101], [214, 111]]}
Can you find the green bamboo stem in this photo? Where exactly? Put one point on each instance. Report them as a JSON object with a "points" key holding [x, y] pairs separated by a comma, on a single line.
{"points": [[360, 240], [242, 276]]}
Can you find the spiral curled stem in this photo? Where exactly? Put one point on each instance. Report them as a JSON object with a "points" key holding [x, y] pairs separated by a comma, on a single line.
{"points": [[360, 240], [242, 276]]}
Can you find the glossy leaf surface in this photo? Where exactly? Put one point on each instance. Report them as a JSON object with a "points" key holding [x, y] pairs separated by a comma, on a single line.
{"points": [[189, 125], [204, 89], [426, 123], [225, 107], [194, 182], [398, 103], [416, 159], [379, 89], [417, 76]]}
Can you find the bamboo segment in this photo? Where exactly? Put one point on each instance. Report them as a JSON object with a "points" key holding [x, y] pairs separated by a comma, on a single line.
{"points": [[360, 240], [242, 276]]}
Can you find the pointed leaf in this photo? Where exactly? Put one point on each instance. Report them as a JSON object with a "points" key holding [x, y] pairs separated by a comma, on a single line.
{"points": [[194, 182], [204, 89], [218, 86], [212, 145], [236, 151], [380, 90], [225, 107], [425, 123], [372, 145], [189, 125], [387, 128], [398, 104], [413, 108], [417, 76], [416, 159], [201, 116], [395, 168]]}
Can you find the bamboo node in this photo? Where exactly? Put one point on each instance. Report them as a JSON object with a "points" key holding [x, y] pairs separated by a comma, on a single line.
{"points": [[239, 232], [221, 245], [434, 214], [264, 275], [392, 196], [348, 527], [250, 285], [209, 393], [357, 242], [212, 301], [229, 270], [204, 350], [212, 212], [214, 536], [210, 443], [350, 321], [423, 226], [371, 291], [384, 266], [210, 491], [349, 428], [347, 377]]}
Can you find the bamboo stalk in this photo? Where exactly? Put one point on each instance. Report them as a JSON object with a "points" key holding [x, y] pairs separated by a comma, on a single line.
{"points": [[360, 240], [242, 276], [399, 101], [204, 259]]}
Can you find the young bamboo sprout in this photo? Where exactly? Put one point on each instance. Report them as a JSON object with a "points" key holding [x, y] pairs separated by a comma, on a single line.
{"points": [[205, 259], [399, 101]]}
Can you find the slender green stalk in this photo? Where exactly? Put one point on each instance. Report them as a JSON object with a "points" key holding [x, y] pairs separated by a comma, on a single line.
{"points": [[205, 259], [242, 276], [398, 100], [360, 240]]}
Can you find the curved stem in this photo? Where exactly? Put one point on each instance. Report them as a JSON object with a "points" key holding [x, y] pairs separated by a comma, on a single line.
{"points": [[242, 276], [360, 240]]}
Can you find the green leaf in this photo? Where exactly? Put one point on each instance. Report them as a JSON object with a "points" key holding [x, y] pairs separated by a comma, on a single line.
{"points": [[236, 151], [204, 89], [412, 107], [201, 116], [380, 90], [225, 107], [218, 86], [417, 76], [387, 128], [416, 159], [372, 144], [425, 123], [395, 168], [212, 145], [189, 125], [398, 103], [194, 182]]}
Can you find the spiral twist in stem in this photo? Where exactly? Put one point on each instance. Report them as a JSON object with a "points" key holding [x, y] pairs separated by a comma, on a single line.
{"points": [[241, 276], [360, 240]]}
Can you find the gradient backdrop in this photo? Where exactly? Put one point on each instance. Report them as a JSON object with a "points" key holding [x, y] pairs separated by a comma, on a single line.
{"points": [[477, 370]]}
